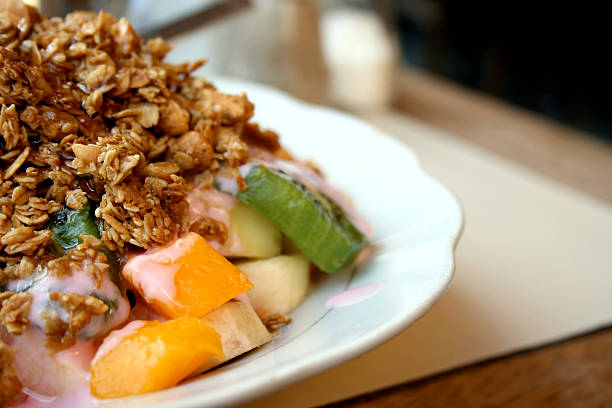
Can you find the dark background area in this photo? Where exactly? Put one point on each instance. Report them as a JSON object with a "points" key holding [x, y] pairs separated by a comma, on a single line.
{"points": [[548, 57]]}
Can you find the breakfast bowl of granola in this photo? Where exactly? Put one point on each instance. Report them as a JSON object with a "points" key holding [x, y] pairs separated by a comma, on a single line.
{"points": [[159, 246]]}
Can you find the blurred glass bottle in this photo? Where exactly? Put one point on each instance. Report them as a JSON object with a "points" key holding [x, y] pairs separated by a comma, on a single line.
{"points": [[278, 42], [361, 53], [336, 52]]}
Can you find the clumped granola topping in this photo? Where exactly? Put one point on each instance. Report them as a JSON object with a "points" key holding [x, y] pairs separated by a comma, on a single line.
{"points": [[210, 228], [14, 311], [90, 111], [80, 309], [17, 267], [94, 123], [10, 386], [275, 321]]}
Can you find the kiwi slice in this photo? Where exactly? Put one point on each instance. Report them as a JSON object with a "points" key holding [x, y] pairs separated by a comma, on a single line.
{"points": [[315, 223]]}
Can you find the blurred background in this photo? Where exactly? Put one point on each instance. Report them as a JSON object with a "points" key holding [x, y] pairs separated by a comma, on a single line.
{"points": [[545, 57]]}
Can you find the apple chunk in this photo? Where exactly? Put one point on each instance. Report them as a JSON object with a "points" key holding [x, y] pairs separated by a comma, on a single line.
{"points": [[279, 283], [251, 234], [240, 329]]}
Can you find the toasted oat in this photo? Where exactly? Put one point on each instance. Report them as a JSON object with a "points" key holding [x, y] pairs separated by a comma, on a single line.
{"points": [[161, 170], [173, 119], [192, 151], [231, 146], [21, 83], [75, 199], [14, 311], [210, 228], [32, 241], [18, 162], [256, 136], [18, 267], [88, 154], [232, 109], [13, 133], [34, 213], [17, 235], [275, 321], [10, 386]]}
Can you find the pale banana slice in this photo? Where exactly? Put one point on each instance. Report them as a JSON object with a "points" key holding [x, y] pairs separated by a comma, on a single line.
{"points": [[240, 329]]}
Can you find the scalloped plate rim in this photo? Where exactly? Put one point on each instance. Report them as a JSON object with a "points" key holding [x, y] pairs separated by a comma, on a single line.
{"points": [[284, 376]]}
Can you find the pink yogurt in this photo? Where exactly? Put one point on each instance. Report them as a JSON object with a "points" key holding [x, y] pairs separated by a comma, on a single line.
{"points": [[153, 272], [354, 295], [216, 205], [52, 379], [80, 397]]}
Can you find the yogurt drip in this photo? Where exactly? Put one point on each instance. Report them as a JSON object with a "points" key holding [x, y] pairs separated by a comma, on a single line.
{"points": [[217, 205], [80, 282], [354, 295]]}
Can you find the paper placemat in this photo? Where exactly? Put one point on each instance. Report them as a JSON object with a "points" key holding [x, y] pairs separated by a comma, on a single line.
{"points": [[534, 265]]}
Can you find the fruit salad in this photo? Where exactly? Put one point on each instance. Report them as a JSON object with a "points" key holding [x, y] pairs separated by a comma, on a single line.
{"points": [[149, 229]]}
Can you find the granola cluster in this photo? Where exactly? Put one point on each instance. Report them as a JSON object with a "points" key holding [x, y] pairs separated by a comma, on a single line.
{"points": [[10, 386], [91, 112], [80, 309], [14, 311], [275, 321]]}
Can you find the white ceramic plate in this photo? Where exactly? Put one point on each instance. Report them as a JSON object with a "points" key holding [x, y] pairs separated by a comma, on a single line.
{"points": [[416, 223]]}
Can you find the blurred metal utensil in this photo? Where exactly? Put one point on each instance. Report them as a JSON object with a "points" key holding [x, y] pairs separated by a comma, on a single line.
{"points": [[63, 7], [210, 14], [196, 15]]}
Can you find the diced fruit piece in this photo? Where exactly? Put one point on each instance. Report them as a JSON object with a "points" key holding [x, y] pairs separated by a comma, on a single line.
{"points": [[280, 283], [185, 277], [251, 234], [315, 224], [68, 224], [156, 356], [240, 329]]}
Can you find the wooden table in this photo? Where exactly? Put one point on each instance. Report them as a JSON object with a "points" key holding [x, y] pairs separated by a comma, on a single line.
{"points": [[562, 153], [576, 372]]}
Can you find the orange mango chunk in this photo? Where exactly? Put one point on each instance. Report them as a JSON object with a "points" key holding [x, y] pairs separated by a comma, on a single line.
{"points": [[187, 277], [152, 356]]}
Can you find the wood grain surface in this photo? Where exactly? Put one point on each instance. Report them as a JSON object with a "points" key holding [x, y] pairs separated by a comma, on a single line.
{"points": [[574, 373], [562, 153]]}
